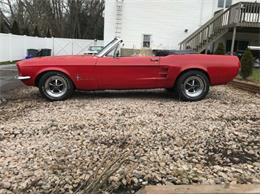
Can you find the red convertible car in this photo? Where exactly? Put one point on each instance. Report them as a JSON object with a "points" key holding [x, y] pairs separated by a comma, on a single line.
{"points": [[189, 75]]}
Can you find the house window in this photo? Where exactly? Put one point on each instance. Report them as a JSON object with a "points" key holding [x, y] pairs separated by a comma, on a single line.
{"points": [[147, 41], [222, 3]]}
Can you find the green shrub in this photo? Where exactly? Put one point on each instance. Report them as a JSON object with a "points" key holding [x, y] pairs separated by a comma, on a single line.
{"points": [[247, 64], [220, 49]]}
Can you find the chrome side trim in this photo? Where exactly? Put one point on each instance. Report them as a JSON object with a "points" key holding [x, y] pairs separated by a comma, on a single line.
{"points": [[22, 77]]}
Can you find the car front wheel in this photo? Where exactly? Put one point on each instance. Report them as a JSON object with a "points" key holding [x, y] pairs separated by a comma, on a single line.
{"points": [[55, 86], [193, 86]]}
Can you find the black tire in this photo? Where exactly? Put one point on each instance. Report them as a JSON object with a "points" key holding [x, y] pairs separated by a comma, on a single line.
{"points": [[45, 86], [198, 90]]}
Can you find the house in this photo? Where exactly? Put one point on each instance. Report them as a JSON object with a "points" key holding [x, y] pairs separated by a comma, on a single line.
{"points": [[185, 24]]}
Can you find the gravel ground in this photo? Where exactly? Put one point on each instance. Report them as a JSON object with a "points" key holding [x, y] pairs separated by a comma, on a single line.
{"points": [[125, 140]]}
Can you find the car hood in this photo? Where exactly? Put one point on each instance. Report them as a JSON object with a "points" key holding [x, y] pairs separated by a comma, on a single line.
{"points": [[59, 60]]}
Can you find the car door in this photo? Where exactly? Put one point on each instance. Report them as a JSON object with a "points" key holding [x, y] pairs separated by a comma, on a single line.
{"points": [[130, 73]]}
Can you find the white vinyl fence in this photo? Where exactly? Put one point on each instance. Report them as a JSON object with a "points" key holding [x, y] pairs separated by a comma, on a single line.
{"points": [[14, 47]]}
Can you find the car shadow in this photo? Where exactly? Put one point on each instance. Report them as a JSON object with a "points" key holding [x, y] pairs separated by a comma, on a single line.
{"points": [[133, 94]]}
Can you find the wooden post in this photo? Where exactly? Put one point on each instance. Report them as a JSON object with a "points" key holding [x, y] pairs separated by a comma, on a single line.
{"points": [[25, 44], [233, 40], [10, 47], [1, 23], [53, 46], [72, 45]]}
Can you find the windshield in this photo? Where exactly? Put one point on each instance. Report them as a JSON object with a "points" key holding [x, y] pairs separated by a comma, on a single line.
{"points": [[107, 46]]}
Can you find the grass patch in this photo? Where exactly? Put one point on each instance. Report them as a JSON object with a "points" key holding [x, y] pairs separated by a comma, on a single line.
{"points": [[256, 75]]}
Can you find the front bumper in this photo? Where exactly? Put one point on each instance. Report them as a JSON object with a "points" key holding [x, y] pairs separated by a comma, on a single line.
{"points": [[22, 77]]}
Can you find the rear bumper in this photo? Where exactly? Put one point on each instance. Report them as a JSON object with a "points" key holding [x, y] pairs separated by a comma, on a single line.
{"points": [[23, 77]]}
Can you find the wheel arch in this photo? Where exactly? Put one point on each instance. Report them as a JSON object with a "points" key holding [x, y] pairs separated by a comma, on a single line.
{"points": [[193, 69], [40, 74]]}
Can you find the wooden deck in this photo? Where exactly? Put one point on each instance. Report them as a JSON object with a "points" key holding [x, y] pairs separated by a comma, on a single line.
{"points": [[243, 14]]}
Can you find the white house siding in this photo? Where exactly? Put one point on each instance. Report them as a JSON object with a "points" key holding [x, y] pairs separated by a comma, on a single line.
{"points": [[110, 20], [165, 20]]}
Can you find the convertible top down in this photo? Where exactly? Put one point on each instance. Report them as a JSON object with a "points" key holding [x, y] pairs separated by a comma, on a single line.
{"points": [[188, 75]]}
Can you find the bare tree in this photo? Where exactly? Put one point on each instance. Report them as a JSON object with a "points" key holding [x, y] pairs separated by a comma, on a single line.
{"points": [[60, 18]]}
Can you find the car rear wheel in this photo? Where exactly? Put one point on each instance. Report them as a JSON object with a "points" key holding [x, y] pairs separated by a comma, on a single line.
{"points": [[193, 86], [55, 86]]}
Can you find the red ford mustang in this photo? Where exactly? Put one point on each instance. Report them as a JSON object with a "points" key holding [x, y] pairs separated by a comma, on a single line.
{"points": [[188, 75]]}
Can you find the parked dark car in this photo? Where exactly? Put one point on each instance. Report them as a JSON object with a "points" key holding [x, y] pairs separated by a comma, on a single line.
{"points": [[239, 53], [256, 53]]}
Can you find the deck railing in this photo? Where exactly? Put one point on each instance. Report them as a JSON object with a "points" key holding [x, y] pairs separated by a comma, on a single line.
{"points": [[249, 15]]}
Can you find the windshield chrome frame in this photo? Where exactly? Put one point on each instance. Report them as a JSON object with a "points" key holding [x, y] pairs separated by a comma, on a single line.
{"points": [[107, 49]]}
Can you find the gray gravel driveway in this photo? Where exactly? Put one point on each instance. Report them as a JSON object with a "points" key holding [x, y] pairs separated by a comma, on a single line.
{"points": [[63, 146]]}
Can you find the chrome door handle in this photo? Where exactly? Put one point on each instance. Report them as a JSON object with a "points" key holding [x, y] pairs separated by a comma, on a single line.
{"points": [[155, 59]]}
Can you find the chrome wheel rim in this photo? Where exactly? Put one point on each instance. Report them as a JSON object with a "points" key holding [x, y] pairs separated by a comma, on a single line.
{"points": [[194, 86], [56, 86]]}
